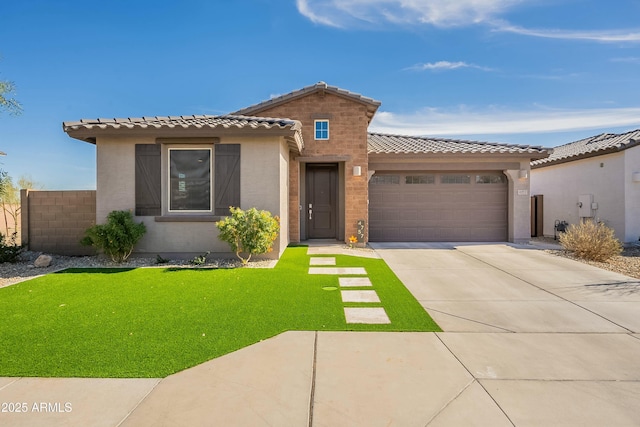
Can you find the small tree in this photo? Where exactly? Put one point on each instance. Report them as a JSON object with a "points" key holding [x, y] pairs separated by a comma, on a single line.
{"points": [[250, 232], [117, 237], [591, 240]]}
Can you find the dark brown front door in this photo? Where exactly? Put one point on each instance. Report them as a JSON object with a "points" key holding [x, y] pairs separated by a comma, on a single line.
{"points": [[322, 201]]}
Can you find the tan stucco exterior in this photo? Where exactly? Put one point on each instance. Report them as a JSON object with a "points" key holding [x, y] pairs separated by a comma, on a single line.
{"points": [[263, 170], [608, 178]]}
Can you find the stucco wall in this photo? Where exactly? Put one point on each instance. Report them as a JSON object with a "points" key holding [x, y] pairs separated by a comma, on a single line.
{"points": [[632, 195], [263, 168], [561, 185]]}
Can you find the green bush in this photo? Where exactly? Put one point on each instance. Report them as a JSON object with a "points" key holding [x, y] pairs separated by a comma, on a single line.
{"points": [[591, 240], [117, 237], [250, 232], [10, 250]]}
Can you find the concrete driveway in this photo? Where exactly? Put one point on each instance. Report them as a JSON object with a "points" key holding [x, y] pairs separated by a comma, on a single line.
{"points": [[529, 339], [549, 340]]}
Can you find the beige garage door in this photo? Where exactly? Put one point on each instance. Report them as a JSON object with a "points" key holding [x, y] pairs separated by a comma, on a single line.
{"points": [[438, 207]]}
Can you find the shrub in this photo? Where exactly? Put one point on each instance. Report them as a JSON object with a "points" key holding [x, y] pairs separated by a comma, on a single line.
{"points": [[250, 232], [117, 237], [10, 250], [591, 240]]}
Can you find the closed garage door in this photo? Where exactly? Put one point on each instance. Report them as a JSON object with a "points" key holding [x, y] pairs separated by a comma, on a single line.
{"points": [[438, 207]]}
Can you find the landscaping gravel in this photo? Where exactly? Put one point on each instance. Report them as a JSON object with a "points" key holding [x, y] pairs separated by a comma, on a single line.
{"points": [[11, 273]]}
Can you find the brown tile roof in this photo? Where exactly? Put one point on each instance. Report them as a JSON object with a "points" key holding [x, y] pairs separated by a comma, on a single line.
{"points": [[196, 121], [318, 87], [86, 129], [590, 147], [400, 144]]}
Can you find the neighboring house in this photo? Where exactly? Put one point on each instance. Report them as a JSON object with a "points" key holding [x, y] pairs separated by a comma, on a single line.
{"points": [[596, 177], [307, 157]]}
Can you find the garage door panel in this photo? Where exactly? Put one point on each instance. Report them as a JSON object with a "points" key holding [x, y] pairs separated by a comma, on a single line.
{"points": [[439, 212]]}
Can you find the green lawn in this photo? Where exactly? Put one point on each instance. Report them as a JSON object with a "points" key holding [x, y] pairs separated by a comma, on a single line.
{"points": [[154, 322]]}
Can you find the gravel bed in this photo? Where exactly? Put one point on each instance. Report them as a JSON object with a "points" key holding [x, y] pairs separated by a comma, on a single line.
{"points": [[11, 273]]}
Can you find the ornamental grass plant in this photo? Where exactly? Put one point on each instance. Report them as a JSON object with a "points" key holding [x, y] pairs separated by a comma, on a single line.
{"points": [[591, 240]]}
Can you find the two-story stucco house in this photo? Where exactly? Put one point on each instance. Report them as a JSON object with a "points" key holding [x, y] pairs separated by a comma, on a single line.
{"points": [[309, 158]]}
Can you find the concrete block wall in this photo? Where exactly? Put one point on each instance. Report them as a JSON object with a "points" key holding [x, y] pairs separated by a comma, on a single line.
{"points": [[54, 221]]}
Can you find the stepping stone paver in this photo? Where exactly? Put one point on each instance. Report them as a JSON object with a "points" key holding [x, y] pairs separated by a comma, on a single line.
{"points": [[347, 282], [360, 296], [322, 261], [337, 270], [368, 315]]}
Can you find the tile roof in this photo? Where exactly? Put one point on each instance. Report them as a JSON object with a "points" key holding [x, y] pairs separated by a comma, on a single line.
{"points": [[86, 129], [400, 144], [590, 147], [320, 86], [196, 121]]}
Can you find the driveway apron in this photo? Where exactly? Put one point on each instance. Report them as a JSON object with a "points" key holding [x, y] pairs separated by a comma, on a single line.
{"points": [[552, 341]]}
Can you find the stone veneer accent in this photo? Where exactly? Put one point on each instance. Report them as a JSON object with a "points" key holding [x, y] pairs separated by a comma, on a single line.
{"points": [[347, 137]]}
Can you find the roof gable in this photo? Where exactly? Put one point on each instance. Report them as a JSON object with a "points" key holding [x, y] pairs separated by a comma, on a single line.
{"points": [[320, 87], [593, 146]]}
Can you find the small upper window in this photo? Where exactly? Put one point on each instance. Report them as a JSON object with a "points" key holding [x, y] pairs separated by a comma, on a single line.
{"points": [[321, 129]]}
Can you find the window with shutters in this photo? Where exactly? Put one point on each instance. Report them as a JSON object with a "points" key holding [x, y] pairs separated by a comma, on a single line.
{"points": [[190, 180], [200, 180]]}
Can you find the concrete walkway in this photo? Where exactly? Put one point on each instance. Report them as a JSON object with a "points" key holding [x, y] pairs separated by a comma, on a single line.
{"points": [[530, 340]]}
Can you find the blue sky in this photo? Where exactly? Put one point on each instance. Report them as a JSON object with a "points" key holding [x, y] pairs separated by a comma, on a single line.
{"points": [[539, 72]]}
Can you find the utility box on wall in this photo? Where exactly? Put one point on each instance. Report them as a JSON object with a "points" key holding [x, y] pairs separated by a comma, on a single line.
{"points": [[585, 202]]}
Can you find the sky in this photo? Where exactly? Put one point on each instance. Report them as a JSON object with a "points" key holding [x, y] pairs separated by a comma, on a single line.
{"points": [[535, 72]]}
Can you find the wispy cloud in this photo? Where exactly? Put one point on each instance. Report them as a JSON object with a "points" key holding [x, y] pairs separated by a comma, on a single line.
{"points": [[627, 59], [439, 13], [442, 14], [632, 35], [446, 65], [494, 121]]}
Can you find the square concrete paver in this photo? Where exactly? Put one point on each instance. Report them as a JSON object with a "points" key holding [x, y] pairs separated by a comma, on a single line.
{"points": [[366, 315], [73, 401], [383, 379], [348, 282], [567, 403], [610, 357], [360, 296], [265, 384], [322, 261], [338, 270]]}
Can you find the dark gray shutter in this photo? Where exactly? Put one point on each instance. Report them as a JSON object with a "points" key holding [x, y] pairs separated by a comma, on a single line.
{"points": [[148, 180], [227, 177]]}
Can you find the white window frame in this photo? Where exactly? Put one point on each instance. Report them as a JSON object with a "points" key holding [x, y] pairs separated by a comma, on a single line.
{"points": [[168, 187], [315, 129]]}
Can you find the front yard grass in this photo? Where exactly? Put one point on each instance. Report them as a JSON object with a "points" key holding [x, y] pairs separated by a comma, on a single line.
{"points": [[153, 322]]}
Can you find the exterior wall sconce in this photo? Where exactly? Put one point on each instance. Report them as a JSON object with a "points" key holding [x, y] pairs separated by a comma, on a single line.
{"points": [[357, 171], [635, 177], [524, 174]]}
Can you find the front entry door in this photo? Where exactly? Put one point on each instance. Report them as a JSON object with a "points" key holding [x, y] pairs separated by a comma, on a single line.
{"points": [[322, 201]]}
